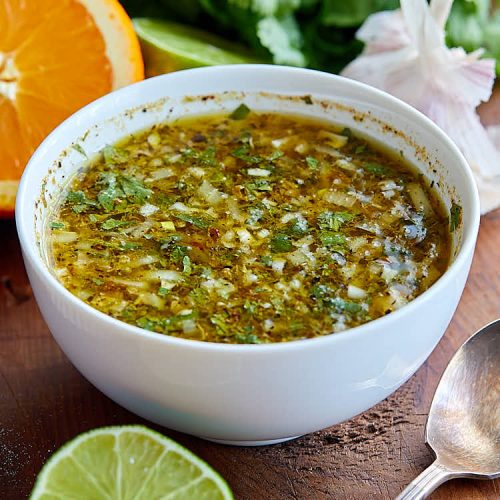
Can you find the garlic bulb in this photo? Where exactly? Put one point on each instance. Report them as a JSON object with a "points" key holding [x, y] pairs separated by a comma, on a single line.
{"points": [[406, 55]]}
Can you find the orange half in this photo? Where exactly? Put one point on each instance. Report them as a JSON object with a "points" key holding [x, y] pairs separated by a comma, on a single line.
{"points": [[55, 57]]}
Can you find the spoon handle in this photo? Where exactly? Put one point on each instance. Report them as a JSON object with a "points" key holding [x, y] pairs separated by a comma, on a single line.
{"points": [[424, 484]]}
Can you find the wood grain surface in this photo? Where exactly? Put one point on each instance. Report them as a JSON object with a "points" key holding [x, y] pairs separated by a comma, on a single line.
{"points": [[44, 402]]}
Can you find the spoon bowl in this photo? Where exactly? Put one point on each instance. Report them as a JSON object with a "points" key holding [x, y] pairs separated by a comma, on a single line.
{"points": [[463, 427]]}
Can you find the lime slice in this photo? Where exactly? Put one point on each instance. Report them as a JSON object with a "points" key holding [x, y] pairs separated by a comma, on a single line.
{"points": [[127, 462], [168, 46]]}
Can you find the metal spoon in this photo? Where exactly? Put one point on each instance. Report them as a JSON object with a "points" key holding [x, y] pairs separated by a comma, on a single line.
{"points": [[463, 428]]}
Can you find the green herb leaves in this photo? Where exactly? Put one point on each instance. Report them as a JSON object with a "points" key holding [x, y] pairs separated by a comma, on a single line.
{"points": [[134, 189], [79, 201], [199, 222], [328, 300], [113, 155], [312, 162], [455, 216], [113, 224], [205, 158], [378, 169], [240, 113], [334, 220], [329, 238], [118, 188], [280, 243]]}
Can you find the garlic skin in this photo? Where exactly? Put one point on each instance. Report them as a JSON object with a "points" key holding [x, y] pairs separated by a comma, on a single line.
{"points": [[406, 55]]}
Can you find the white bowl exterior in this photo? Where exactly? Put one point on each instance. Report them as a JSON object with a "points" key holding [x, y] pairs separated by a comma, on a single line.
{"points": [[234, 392]]}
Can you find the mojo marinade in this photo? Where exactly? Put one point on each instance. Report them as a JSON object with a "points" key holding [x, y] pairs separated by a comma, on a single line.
{"points": [[251, 228]]}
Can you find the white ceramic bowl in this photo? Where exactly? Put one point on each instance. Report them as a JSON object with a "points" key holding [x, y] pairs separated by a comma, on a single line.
{"points": [[246, 394]]}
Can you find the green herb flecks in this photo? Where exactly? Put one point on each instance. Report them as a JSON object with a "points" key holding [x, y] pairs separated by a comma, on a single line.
{"points": [[205, 158], [110, 193], [199, 222], [220, 323], [280, 243], [243, 153], [378, 169], [187, 268], [240, 113], [334, 220], [312, 162], [113, 224], [134, 189], [297, 228], [166, 325], [455, 216], [332, 239], [247, 338], [113, 155], [57, 225], [79, 201], [78, 147]]}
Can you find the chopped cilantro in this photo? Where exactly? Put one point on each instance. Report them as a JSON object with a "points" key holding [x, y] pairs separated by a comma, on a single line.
{"points": [[221, 326], [242, 153], [259, 185], [297, 228], [98, 281], [341, 305], [57, 225], [247, 338], [312, 163], [200, 222], [318, 291], [187, 268], [334, 220], [377, 169], [325, 295], [78, 147], [113, 224], [274, 156], [79, 201], [250, 306], [179, 252], [280, 243], [163, 292], [240, 113], [267, 260], [147, 324], [108, 195], [206, 157], [455, 216], [329, 238], [134, 189], [113, 155]]}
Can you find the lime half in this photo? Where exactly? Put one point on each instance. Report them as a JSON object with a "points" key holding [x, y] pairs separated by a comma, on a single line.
{"points": [[168, 46], [127, 462]]}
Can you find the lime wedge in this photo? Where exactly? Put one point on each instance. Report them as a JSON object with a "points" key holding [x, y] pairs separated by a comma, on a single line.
{"points": [[168, 46], [127, 462]]}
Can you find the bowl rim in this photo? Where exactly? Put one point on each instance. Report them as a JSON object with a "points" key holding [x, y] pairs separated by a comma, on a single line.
{"points": [[24, 222]]}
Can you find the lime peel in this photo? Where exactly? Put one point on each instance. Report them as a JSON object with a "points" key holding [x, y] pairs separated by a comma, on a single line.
{"points": [[127, 462], [169, 46]]}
